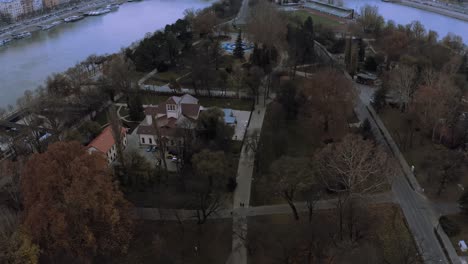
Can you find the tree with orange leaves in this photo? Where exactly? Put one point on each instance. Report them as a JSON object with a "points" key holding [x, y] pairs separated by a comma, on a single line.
{"points": [[72, 208]]}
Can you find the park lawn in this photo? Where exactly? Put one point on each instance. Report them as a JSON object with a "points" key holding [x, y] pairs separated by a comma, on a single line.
{"points": [[236, 104], [233, 103], [318, 19], [101, 117], [153, 80], [171, 242], [297, 138], [385, 236], [460, 220], [171, 74], [136, 76], [124, 111], [418, 156]]}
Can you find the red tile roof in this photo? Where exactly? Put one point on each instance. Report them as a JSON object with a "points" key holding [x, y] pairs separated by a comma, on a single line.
{"points": [[190, 110], [105, 140]]}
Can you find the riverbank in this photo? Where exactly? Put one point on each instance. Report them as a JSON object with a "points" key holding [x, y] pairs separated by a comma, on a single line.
{"points": [[32, 25], [433, 9]]}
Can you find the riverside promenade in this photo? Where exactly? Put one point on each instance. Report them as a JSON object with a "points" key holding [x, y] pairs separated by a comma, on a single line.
{"points": [[461, 14]]}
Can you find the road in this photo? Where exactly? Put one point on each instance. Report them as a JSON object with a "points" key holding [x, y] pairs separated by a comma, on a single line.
{"points": [[243, 14], [418, 212]]}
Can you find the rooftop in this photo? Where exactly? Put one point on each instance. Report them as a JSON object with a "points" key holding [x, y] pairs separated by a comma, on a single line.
{"points": [[105, 140]]}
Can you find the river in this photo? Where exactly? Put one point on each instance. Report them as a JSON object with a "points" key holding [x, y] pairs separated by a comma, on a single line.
{"points": [[25, 64], [405, 15]]}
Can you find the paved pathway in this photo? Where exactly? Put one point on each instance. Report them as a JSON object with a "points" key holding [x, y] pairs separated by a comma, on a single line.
{"points": [[243, 14], [156, 214], [418, 211], [244, 184]]}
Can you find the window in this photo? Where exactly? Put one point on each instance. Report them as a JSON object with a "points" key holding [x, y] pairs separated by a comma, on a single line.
{"points": [[143, 140], [150, 141], [171, 107]]}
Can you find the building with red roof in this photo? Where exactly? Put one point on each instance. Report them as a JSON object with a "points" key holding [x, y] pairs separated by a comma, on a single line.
{"points": [[104, 143]]}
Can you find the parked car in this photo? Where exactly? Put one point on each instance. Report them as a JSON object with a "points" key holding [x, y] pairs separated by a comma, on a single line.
{"points": [[154, 149], [149, 149]]}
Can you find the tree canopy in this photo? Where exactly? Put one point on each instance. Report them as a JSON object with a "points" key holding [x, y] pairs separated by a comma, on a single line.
{"points": [[72, 208]]}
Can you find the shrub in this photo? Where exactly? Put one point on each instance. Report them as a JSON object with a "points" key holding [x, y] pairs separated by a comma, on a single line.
{"points": [[450, 227]]}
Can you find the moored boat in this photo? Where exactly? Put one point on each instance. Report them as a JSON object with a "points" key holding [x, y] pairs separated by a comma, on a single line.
{"points": [[98, 12], [113, 7], [73, 18], [3, 42], [21, 35]]}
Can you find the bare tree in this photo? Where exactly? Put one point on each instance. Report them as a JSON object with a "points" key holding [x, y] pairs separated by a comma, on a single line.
{"points": [[352, 168], [436, 104], [208, 203], [267, 26], [291, 175], [402, 81], [161, 142]]}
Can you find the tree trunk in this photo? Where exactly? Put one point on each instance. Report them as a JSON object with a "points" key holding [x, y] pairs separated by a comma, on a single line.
{"points": [[291, 204], [433, 132]]}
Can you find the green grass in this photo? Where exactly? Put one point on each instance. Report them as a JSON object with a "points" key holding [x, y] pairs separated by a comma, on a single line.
{"points": [[124, 111], [303, 15], [154, 99], [236, 104], [101, 118], [168, 75]]}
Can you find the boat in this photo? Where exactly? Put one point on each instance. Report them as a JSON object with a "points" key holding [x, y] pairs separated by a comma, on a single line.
{"points": [[5, 41], [73, 18], [21, 35], [98, 12], [113, 7], [49, 26]]}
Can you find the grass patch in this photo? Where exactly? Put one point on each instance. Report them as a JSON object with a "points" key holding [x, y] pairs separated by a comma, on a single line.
{"points": [[233, 103], [124, 111], [384, 238], [171, 74], [101, 118], [236, 104], [460, 220], [297, 138], [136, 76], [418, 150], [302, 15], [171, 242]]}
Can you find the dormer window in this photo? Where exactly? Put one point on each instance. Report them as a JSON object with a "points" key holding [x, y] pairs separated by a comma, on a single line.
{"points": [[171, 107]]}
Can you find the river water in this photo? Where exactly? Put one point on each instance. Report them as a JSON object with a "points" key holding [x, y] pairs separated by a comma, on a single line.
{"points": [[26, 63], [405, 15]]}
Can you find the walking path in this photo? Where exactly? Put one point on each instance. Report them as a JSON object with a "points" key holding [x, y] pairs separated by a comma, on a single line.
{"points": [[157, 214], [244, 184]]}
